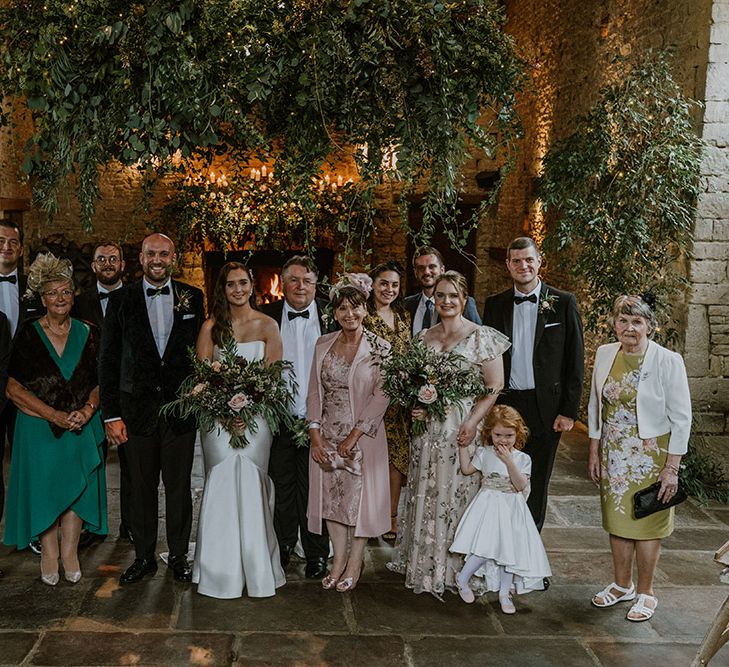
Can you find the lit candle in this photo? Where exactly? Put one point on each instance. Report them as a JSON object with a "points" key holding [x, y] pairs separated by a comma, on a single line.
{"points": [[253, 173], [263, 171], [258, 175], [340, 180]]}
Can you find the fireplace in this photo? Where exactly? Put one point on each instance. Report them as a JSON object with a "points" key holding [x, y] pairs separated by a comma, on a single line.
{"points": [[266, 267]]}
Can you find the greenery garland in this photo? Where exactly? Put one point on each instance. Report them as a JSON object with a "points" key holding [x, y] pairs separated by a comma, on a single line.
{"points": [[623, 187], [161, 85]]}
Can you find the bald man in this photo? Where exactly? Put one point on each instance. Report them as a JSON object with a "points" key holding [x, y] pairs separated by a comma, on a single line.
{"points": [[148, 328]]}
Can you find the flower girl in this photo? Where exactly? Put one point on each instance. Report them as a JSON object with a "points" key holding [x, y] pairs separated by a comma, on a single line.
{"points": [[496, 532]]}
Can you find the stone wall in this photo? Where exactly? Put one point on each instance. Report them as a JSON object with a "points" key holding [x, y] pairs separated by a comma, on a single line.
{"points": [[707, 333]]}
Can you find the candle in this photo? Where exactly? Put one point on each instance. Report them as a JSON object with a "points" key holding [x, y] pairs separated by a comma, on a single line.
{"points": [[253, 173], [340, 180], [263, 171]]}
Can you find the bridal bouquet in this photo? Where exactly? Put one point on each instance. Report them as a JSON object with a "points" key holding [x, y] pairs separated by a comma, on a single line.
{"points": [[231, 392], [420, 377]]}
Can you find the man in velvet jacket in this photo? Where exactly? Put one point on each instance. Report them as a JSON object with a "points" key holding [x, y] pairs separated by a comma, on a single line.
{"points": [[299, 316], [148, 328], [544, 368]]}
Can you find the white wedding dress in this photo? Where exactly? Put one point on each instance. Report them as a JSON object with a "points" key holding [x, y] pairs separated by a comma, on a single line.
{"points": [[236, 543]]}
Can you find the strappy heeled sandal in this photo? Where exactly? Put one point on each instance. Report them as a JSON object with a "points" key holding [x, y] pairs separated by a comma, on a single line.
{"points": [[640, 607], [329, 582], [609, 598], [392, 533]]}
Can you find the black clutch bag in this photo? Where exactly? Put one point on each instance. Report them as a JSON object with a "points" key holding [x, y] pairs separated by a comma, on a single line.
{"points": [[645, 501]]}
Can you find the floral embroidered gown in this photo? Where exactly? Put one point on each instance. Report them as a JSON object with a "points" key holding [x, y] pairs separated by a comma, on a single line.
{"points": [[628, 463], [437, 492]]}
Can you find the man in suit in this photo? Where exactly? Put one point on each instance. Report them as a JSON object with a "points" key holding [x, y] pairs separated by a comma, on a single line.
{"points": [[148, 328], [428, 266], [90, 305], [5, 340], [16, 310], [545, 364], [299, 315]]}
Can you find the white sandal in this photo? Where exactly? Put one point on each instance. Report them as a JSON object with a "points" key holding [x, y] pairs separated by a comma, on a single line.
{"points": [[640, 607], [609, 598]]}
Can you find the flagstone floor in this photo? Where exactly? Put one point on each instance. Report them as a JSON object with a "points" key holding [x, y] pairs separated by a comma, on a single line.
{"points": [[161, 622]]}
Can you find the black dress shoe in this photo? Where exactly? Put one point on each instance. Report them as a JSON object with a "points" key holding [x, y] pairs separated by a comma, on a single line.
{"points": [[139, 569], [181, 569], [35, 547], [316, 569], [546, 583], [286, 556]]}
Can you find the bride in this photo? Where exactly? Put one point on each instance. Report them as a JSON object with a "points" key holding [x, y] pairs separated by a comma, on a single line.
{"points": [[236, 543]]}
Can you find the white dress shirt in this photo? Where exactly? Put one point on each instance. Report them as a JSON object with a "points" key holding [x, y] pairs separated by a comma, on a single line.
{"points": [[299, 337], [523, 327], [160, 309], [101, 289], [10, 301], [420, 314]]}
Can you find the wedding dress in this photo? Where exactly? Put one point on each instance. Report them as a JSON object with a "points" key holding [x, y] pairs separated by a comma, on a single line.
{"points": [[236, 543]]}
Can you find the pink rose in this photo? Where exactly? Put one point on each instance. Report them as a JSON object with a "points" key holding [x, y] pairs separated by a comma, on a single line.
{"points": [[238, 402], [427, 394], [198, 389], [216, 366]]}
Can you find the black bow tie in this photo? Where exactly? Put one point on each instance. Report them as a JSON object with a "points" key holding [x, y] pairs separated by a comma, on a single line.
{"points": [[154, 291], [303, 313], [105, 295], [9, 279], [522, 299]]}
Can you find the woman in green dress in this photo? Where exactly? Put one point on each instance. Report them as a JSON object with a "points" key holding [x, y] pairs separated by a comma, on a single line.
{"points": [[56, 470], [388, 319], [639, 421]]}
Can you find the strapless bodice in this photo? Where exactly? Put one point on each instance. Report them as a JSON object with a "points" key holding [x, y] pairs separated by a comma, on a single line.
{"points": [[252, 350]]}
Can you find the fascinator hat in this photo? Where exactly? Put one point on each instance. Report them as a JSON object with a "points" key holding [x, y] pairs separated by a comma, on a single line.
{"points": [[359, 281], [47, 268]]}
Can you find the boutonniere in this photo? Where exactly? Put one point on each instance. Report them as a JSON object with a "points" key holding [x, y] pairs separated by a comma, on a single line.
{"points": [[184, 300], [547, 303], [327, 317]]}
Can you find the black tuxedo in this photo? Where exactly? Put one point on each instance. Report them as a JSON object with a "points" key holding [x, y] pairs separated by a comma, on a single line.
{"points": [[5, 340], [135, 383], [87, 306], [288, 468], [411, 303], [558, 363]]}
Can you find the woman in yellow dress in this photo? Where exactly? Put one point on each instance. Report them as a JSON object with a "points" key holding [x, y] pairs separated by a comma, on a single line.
{"points": [[388, 319]]}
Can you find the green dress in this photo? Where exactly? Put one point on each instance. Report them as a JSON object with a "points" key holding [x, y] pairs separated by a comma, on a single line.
{"points": [[49, 475], [397, 422], [628, 463]]}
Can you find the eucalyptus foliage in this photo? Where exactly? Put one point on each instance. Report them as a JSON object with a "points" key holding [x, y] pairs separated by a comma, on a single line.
{"points": [[623, 187], [305, 81]]}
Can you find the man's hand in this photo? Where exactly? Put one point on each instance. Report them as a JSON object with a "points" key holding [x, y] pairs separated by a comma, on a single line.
{"points": [[116, 432], [562, 424]]}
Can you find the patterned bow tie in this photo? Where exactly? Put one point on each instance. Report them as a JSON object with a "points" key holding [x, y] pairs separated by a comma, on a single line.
{"points": [[303, 313], [9, 279], [156, 291], [522, 299]]}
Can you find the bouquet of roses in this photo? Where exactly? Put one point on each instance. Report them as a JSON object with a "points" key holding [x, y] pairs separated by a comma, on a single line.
{"points": [[420, 377], [231, 392]]}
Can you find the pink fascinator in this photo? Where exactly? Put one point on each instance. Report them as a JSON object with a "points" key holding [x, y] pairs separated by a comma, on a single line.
{"points": [[360, 281]]}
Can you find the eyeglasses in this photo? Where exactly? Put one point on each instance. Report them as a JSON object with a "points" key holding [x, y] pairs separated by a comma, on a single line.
{"points": [[102, 259], [54, 293]]}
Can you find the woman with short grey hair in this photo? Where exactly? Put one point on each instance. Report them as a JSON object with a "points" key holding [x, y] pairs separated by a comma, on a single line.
{"points": [[639, 419]]}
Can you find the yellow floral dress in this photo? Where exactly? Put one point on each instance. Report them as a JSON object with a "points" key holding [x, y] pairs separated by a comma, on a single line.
{"points": [[628, 463], [397, 424]]}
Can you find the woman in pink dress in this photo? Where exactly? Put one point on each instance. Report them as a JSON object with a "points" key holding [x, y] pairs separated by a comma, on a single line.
{"points": [[348, 470]]}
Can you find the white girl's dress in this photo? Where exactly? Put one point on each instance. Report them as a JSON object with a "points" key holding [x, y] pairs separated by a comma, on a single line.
{"points": [[498, 525]]}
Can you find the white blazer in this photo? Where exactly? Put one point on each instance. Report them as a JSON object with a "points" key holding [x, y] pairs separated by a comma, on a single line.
{"points": [[663, 403]]}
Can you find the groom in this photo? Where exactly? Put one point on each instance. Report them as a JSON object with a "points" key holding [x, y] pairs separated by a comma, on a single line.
{"points": [[148, 328], [545, 364]]}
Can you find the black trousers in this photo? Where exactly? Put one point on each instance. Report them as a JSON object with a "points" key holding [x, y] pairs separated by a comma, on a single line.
{"points": [[288, 467], [125, 490], [7, 426], [541, 447], [170, 455]]}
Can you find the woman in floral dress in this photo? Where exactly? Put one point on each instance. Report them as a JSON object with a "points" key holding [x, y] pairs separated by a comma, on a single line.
{"points": [[438, 493], [387, 318], [640, 419]]}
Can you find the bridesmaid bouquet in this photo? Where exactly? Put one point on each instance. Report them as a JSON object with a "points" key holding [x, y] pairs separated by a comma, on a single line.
{"points": [[420, 377], [231, 392]]}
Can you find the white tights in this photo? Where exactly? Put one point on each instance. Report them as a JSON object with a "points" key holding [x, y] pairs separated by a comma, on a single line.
{"points": [[471, 566]]}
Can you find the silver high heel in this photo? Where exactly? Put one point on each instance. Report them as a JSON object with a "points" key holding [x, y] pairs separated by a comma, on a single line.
{"points": [[50, 579], [73, 577]]}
